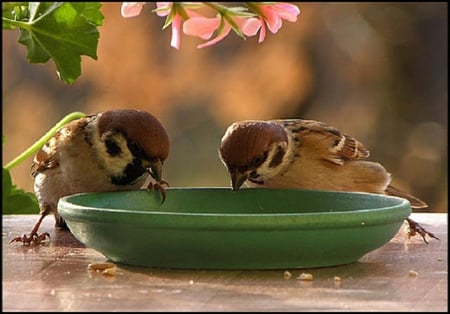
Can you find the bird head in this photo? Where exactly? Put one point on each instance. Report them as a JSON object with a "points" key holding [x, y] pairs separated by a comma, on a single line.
{"points": [[253, 150], [132, 143]]}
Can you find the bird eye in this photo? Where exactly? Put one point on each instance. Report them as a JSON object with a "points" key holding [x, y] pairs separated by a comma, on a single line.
{"points": [[259, 160]]}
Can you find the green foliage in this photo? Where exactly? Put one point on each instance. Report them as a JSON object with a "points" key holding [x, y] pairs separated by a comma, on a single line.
{"points": [[62, 31], [15, 200]]}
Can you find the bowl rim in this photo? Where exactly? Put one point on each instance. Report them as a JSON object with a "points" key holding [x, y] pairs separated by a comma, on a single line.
{"points": [[398, 211]]}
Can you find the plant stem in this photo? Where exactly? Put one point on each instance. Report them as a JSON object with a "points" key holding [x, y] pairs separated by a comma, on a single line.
{"points": [[37, 145]]}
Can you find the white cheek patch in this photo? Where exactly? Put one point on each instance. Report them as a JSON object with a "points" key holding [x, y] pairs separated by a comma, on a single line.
{"points": [[114, 164], [267, 171]]}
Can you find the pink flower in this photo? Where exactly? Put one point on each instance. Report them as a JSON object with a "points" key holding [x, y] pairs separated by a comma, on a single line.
{"points": [[176, 31], [204, 28], [178, 15], [250, 26], [166, 8], [163, 8], [273, 15], [131, 9]]}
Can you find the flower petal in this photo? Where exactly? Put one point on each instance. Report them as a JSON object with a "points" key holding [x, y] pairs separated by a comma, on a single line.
{"points": [[273, 21], [262, 32], [202, 27], [287, 11], [165, 8], [250, 26], [131, 9], [225, 31], [176, 31]]}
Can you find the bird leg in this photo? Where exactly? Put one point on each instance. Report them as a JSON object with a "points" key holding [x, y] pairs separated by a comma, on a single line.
{"points": [[415, 228], [34, 237], [159, 186]]}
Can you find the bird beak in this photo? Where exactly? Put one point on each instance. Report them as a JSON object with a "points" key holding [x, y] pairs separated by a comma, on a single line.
{"points": [[237, 179], [156, 170]]}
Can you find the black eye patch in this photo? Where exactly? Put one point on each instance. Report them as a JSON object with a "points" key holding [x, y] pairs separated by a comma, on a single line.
{"points": [[278, 157], [258, 161], [135, 149], [254, 175], [112, 148]]}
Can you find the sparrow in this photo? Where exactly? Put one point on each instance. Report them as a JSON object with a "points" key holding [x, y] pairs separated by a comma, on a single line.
{"points": [[305, 154], [108, 151]]}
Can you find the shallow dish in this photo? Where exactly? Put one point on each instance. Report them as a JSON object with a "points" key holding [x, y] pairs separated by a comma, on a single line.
{"points": [[216, 228]]}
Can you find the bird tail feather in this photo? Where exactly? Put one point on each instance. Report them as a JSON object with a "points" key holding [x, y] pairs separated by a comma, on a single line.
{"points": [[415, 202]]}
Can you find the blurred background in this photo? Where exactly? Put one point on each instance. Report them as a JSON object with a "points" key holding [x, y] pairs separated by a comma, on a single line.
{"points": [[376, 71]]}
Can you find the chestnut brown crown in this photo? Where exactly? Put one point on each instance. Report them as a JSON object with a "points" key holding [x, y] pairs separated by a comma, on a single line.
{"points": [[243, 143], [141, 126]]}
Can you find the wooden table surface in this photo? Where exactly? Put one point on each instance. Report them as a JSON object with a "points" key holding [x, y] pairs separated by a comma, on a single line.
{"points": [[403, 275]]}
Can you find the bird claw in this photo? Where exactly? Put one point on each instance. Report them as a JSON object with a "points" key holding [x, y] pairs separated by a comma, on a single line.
{"points": [[32, 238], [415, 228], [159, 186]]}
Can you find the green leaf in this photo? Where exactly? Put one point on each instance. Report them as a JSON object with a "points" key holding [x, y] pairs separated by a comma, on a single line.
{"points": [[7, 184], [62, 31], [15, 200], [14, 11]]}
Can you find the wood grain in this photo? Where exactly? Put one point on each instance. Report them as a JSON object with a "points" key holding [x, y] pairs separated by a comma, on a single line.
{"points": [[55, 277]]}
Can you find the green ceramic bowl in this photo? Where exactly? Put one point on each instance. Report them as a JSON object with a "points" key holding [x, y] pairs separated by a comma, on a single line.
{"points": [[216, 228]]}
